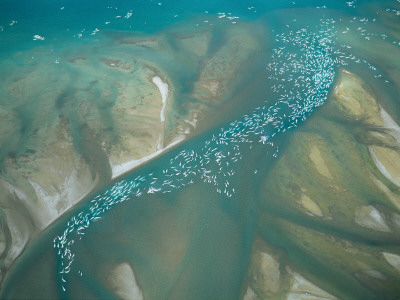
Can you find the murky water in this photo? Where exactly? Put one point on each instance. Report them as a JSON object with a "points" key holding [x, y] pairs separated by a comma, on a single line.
{"points": [[187, 223]]}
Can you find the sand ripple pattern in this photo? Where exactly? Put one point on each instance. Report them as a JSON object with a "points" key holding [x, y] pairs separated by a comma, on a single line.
{"points": [[303, 67]]}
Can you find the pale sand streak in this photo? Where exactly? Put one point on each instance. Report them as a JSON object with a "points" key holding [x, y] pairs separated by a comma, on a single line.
{"points": [[119, 169], [163, 88]]}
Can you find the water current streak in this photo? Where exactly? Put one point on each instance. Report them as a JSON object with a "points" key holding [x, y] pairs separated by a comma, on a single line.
{"points": [[303, 68]]}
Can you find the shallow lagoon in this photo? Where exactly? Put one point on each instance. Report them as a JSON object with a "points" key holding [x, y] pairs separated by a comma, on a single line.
{"points": [[271, 206]]}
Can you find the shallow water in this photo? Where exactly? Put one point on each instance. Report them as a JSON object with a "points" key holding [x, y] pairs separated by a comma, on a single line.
{"points": [[188, 222]]}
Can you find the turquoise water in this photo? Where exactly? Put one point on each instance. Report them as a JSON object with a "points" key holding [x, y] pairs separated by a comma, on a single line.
{"points": [[187, 220]]}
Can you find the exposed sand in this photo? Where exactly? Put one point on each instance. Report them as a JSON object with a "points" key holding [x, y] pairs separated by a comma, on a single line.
{"points": [[304, 289], [119, 169], [123, 281], [392, 259], [370, 217], [390, 124], [163, 88]]}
